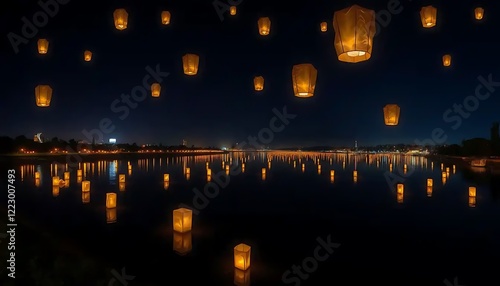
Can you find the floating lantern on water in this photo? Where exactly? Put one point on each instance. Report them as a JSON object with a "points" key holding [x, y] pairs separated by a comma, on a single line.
{"points": [[37, 175], [166, 177], [37, 183], [242, 253], [429, 182], [121, 178], [182, 220], [401, 188], [55, 181], [66, 176], [429, 191], [472, 191], [472, 202], [110, 200]]}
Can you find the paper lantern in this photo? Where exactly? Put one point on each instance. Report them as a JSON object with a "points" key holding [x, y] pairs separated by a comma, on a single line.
{"points": [[182, 219], [43, 46], [37, 175], [232, 10], [209, 172], [86, 186], [182, 242], [78, 173], [319, 169], [243, 167], [442, 166], [323, 26], [429, 182], [78, 180], [111, 215], [443, 175], [472, 202], [479, 13], [241, 278], [166, 177], [121, 178], [332, 173], [263, 171], [258, 83], [86, 197], [190, 64], [264, 24], [155, 90], [188, 170], [354, 173], [66, 176], [354, 31], [304, 80], [391, 114], [121, 19], [472, 191], [55, 191], [165, 17], [110, 200], [121, 187], [43, 95], [242, 253], [55, 181], [446, 60], [87, 56], [428, 16], [401, 188]]}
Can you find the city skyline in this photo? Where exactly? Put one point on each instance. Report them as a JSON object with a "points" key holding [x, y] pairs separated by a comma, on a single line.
{"points": [[219, 105]]}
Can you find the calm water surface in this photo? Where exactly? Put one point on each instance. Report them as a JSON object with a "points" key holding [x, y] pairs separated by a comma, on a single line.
{"points": [[381, 234]]}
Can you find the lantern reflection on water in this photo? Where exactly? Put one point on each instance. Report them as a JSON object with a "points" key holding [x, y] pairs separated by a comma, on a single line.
{"points": [[182, 242]]}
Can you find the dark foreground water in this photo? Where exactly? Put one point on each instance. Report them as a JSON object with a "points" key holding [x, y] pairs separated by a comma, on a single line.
{"points": [[304, 227]]}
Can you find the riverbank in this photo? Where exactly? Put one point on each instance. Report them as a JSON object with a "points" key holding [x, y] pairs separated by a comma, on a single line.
{"points": [[75, 157], [465, 161]]}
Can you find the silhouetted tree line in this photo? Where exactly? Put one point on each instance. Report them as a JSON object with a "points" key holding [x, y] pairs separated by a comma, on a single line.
{"points": [[473, 147], [10, 145]]}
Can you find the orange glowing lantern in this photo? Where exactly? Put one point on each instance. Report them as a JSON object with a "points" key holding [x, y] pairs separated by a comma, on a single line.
{"points": [[429, 191], [232, 10], [258, 83], [182, 220], [166, 177], [429, 182], [264, 24], [121, 19], [79, 173], [37, 175], [242, 253], [66, 176], [55, 181], [121, 178], [479, 13], [401, 188], [447, 60], [110, 200], [472, 202], [354, 31], [472, 191], [304, 80], [190, 63], [43, 46], [43, 95], [55, 191], [391, 114], [428, 16], [323, 26], [155, 90], [87, 56]]}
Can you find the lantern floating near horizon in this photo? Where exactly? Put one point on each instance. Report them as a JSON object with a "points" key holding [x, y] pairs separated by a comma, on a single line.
{"points": [[43, 46], [43, 95], [264, 24], [479, 13], [241, 278], [472, 191], [111, 215], [121, 19], [166, 177], [401, 188], [242, 253], [429, 182], [37, 175], [165, 17], [121, 178], [354, 31], [190, 63], [182, 220], [447, 60], [232, 10], [323, 26], [79, 173], [110, 200], [304, 80], [391, 114], [428, 16], [85, 186], [155, 90], [66, 176], [87, 56], [182, 242], [55, 181], [258, 83], [332, 173]]}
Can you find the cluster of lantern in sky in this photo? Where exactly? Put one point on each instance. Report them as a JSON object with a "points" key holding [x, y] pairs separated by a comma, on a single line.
{"points": [[354, 28]]}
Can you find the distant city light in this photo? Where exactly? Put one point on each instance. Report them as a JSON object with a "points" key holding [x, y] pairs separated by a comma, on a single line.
{"points": [[112, 140]]}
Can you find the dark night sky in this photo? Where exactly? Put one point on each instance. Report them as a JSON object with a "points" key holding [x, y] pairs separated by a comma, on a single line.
{"points": [[219, 105]]}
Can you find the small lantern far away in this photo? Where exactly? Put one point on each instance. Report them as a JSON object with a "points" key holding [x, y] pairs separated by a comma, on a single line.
{"points": [[85, 186], [479, 13], [323, 26], [55, 181], [391, 114], [121, 178], [232, 10], [43, 46], [43, 95], [428, 16], [166, 177], [37, 175], [155, 90], [66, 176], [429, 182], [182, 220], [87, 56], [121, 19], [304, 80], [110, 200], [79, 173], [258, 83], [447, 60], [190, 63], [401, 189], [242, 253], [165, 17], [264, 24], [354, 31], [472, 191]]}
